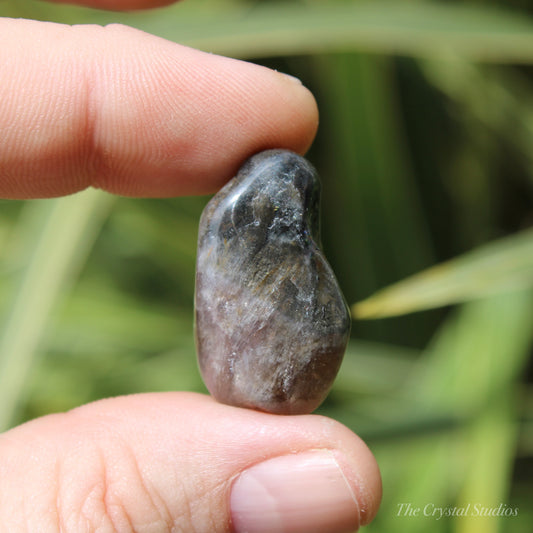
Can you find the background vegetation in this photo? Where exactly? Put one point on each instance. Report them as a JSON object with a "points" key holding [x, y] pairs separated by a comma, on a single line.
{"points": [[425, 149]]}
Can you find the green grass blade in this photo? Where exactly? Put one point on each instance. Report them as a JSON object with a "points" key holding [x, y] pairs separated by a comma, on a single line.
{"points": [[364, 190], [502, 265], [478, 352], [470, 372], [68, 228], [491, 447], [504, 107], [420, 29]]}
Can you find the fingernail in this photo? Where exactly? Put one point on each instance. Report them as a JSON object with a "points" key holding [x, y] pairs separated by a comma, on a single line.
{"points": [[305, 492], [292, 78]]}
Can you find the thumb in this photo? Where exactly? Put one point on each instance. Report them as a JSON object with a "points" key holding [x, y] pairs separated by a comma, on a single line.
{"points": [[182, 462]]}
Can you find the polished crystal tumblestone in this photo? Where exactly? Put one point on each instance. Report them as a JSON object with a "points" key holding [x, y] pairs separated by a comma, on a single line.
{"points": [[271, 322]]}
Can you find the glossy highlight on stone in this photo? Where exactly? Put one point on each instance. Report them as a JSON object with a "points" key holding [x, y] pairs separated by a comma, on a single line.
{"points": [[271, 322]]}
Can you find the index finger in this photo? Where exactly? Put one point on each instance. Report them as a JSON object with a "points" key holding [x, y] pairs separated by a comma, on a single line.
{"points": [[133, 114], [118, 4]]}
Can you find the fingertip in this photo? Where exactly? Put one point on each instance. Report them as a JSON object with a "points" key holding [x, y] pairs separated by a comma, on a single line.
{"points": [[121, 110], [358, 464], [306, 114], [119, 5], [362, 472], [224, 465]]}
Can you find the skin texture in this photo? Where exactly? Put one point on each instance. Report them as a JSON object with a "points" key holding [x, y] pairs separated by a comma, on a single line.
{"points": [[128, 463], [119, 5], [136, 115], [133, 114]]}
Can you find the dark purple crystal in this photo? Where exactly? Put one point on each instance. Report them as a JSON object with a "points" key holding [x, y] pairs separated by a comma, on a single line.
{"points": [[271, 322]]}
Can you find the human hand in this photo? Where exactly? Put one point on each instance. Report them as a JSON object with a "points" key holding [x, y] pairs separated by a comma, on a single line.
{"points": [[136, 115]]}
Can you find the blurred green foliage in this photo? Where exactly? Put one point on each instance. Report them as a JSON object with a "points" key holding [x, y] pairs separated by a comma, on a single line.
{"points": [[425, 149]]}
